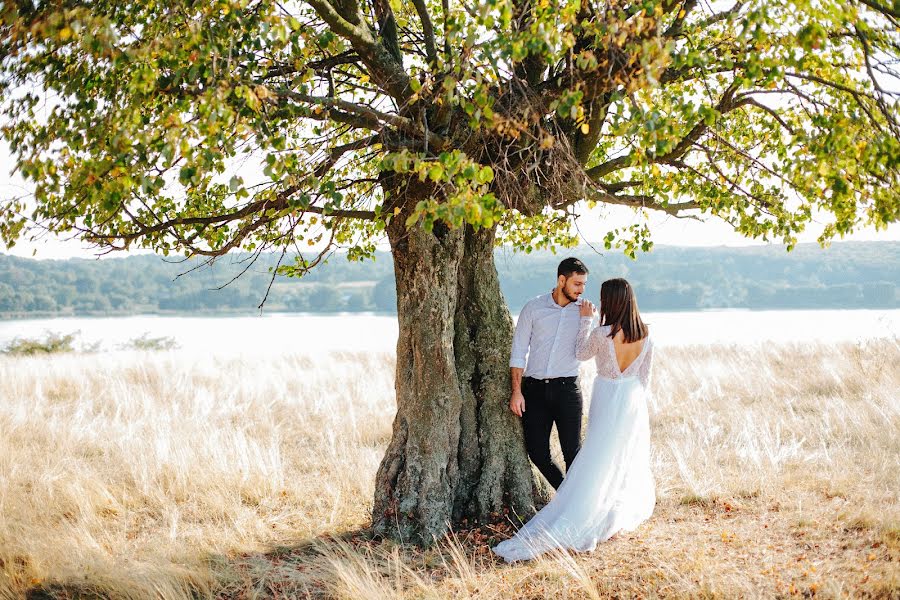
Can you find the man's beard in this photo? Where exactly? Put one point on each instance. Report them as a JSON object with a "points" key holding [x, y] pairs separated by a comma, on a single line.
{"points": [[570, 298]]}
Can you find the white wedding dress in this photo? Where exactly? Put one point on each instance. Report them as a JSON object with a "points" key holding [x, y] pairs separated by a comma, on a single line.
{"points": [[609, 486]]}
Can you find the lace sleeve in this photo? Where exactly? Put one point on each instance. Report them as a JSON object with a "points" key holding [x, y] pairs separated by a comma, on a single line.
{"points": [[587, 341], [646, 367]]}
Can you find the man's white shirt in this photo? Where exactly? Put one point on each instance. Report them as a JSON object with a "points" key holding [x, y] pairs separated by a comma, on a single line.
{"points": [[544, 340]]}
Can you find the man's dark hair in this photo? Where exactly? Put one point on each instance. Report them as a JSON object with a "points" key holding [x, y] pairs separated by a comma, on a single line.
{"points": [[569, 266]]}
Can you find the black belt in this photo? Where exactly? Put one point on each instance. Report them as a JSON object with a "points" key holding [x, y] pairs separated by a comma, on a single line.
{"points": [[571, 379]]}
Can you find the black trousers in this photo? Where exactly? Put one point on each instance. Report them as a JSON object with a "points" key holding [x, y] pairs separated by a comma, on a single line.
{"points": [[549, 401]]}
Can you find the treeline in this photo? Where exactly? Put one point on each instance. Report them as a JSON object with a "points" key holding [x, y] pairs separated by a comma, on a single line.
{"points": [[150, 284], [846, 275]]}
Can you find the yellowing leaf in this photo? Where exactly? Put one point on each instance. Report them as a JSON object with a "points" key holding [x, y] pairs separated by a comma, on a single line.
{"points": [[585, 128]]}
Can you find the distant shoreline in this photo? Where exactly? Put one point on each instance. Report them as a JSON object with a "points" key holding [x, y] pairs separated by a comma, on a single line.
{"points": [[370, 313], [669, 279]]}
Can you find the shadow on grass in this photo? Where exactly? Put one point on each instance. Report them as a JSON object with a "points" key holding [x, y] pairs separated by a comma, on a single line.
{"points": [[331, 564], [357, 563]]}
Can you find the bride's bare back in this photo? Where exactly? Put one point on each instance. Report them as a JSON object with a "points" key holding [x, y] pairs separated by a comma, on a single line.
{"points": [[614, 358], [626, 353]]}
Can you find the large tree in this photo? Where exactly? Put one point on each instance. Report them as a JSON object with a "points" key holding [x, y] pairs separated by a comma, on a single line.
{"points": [[449, 127]]}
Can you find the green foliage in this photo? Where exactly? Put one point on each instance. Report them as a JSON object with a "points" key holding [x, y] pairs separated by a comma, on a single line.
{"points": [[201, 128], [629, 239], [548, 230], [466, 200], [52, 343]]}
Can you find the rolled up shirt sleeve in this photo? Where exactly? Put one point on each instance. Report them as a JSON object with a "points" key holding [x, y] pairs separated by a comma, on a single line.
{"points": [[521, 338]]}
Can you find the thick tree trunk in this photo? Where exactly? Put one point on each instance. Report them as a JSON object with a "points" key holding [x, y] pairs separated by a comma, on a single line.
{"points": [[494, 467], [456, 451]]}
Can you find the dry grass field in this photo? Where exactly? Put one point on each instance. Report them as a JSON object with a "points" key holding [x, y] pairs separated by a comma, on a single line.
{"points": [[166, 475]]}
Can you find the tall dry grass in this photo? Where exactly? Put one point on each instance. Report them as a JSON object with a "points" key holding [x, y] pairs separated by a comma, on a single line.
{"points": [[142, 475]]}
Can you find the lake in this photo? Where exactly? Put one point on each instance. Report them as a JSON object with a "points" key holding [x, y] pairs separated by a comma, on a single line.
{"points": [[280, 333]]}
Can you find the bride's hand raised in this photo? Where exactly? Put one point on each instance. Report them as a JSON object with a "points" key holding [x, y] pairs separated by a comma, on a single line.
{"points": [[587, 308]]}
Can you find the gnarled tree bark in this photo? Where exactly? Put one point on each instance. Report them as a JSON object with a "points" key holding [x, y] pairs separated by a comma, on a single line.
{"points": [[456, 450]]}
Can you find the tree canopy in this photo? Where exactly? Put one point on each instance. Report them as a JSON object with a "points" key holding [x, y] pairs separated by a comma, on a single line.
{"points": [[203, 127]]}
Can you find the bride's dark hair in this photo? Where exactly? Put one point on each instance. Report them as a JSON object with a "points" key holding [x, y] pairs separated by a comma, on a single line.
{"points": [[618, 308]]}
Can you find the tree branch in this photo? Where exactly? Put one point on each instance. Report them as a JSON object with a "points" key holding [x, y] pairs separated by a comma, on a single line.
{"points": [[428, 32], [831, 84], [532, 67], [749, 100], [673, 74], [584, 143], [719, 17], [886, 111], [387, 29], [643, 201], [374, 119], [725, 104], [885, 10], [445, 8], [385, 70], [674, 30], [277, 204]]}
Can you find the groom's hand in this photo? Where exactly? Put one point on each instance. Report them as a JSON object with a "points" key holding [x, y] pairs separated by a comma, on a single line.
{"points": [[517, 403]]}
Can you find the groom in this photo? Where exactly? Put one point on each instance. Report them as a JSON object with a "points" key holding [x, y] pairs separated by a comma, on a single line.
{"points": [[549, 392]]}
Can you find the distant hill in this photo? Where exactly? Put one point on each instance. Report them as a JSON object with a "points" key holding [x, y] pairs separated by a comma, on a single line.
{"points": [[846, 275]]}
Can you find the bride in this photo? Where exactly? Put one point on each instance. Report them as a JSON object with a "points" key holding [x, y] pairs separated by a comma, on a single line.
{"points": [[609, 486]]}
